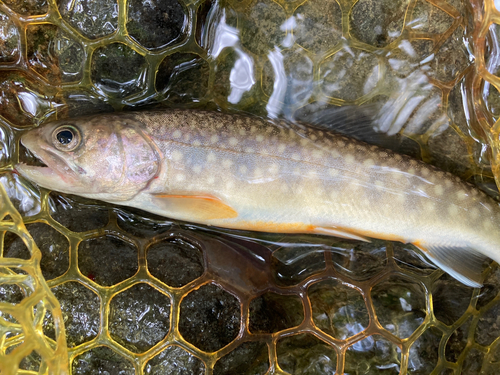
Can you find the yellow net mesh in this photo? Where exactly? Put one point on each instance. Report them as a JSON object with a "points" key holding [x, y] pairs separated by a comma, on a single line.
{"points": [[22, 323]]}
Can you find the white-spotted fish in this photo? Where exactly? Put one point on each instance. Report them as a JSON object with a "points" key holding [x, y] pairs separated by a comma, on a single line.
{"points": [[247, 173]]}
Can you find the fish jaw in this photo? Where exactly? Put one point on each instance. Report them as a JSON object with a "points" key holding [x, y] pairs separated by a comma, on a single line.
{"points": [[45, 177], [56, 175]]}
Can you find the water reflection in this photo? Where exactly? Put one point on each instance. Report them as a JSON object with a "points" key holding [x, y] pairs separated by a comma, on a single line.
{"points": [[408, 101], [242, 74], [23, 195]]}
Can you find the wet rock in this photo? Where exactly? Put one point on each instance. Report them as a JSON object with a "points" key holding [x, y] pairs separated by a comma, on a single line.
{"points": [[139, 317], [175, 262], [107, 260], [271, 313], [209, 318]]}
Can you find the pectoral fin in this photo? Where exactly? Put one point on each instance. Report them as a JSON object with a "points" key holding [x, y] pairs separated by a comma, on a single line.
{"points": [[339, 232], [463, 263], [195, 207]]}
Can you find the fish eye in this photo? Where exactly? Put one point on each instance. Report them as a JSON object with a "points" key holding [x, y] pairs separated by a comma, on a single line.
{"points": [[66, 138]]}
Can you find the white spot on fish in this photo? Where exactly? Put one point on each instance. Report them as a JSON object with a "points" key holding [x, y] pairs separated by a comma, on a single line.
{"points": [[257, 172], [259, 138], [425, 172], [453, 210], [214, 138], [253, 129], [333, 172], [187, 137], [230, 184], [243, 169], [197, 169], [297, 171], [429, 206], [411, 171], [313, 137], [369, 163], [488, 225], [233, 141], [334, 154], [177, 134], [242, 131], [474, 213], [334, 194], [249, 150], [439, 190], [295, 156], [399, 177], [211, 180], [461, 195], [274, 168], [180, 177], [317, 153], [304, 141], [379, 185], [350, 158], [281, 148], [196, 143], [176, 155], [341, 144], [226, 163], [211, 157], [312, 174]]}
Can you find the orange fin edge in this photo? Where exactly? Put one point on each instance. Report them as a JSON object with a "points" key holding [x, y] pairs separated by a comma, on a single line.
{"points": [[199, 207]]}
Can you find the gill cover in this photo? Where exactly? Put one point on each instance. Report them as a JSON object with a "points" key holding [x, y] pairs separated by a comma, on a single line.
{"points": [[140, 161]]}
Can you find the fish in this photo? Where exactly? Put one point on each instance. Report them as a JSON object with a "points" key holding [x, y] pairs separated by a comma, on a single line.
{"points": [[249, 173]]}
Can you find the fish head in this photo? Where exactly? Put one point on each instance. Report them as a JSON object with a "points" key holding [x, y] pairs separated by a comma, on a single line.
{"points": [[103, 157]]}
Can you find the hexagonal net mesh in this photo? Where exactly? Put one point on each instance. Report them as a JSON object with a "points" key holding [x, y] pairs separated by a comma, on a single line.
{"points": [[86, 287], [30, 304]]}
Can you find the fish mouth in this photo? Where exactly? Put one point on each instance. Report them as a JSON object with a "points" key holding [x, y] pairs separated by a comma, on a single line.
{"points": [[33, 167], [43, 167], [30, 158]]}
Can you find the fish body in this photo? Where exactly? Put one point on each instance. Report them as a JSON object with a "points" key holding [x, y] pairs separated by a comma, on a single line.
{"points": [[248, 173]]}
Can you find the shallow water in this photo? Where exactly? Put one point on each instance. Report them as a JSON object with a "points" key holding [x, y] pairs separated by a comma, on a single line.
{"points": [[139, 294]]}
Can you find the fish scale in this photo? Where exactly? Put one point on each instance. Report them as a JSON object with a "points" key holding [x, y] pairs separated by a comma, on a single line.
{"points": [[248, 173]]}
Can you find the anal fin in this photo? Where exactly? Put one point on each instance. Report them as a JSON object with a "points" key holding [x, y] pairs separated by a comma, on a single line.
{"points": [[463, 263], [340, 232], [195, 207]]}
